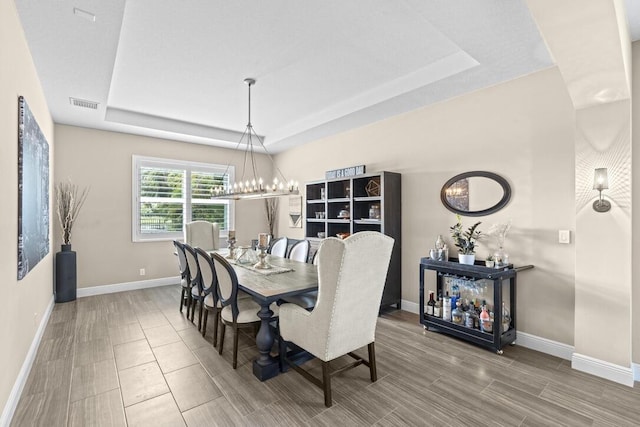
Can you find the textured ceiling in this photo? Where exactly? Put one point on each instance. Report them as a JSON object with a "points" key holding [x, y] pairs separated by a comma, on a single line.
{"points": [[176, 70]]}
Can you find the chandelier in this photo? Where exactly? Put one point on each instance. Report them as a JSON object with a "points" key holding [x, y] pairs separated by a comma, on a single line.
{"points": [[251, 185]]}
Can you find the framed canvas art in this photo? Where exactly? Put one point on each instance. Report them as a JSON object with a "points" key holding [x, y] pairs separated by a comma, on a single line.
{"points": [[33, 191]]}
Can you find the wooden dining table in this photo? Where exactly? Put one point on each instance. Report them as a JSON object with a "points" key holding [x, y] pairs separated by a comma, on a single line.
{"points": [[266, 288]]}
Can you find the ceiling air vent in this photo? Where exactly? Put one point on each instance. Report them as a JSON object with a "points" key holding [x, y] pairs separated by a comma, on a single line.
{"points": [[84, 103]]}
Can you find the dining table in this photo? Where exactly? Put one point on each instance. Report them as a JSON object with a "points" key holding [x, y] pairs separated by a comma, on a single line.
{"points": [[285, 278]]}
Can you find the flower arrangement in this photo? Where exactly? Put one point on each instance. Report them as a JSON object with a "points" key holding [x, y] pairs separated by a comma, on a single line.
{"points": [[465, 241], [69, 201], [499, 232]]}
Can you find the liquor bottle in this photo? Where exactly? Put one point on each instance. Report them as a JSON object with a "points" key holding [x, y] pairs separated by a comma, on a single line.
{"points": [[430, 304], [437, 309], [471, 318], [446, 307], [457, 315], [486, 324]]}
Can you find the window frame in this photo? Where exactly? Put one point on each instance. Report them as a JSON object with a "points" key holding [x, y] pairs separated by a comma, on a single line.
{"points": [[139, 162]]}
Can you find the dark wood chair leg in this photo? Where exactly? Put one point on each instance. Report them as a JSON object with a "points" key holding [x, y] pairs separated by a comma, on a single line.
{"points": [[194, 302], [372, 362], [200, 314], [215, 327], [326, 383], [204, 322], [235, 346], [182, 297], [222, 338]]}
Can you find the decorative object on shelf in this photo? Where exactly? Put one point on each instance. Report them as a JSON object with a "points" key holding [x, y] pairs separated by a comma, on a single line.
{"points": [[322, 194], [343, 235], [465, 241], [251, 185], [69, 201], [373, 187], [33, 191], [374, 212], [493, 188], [499, 232], [489, 261], [344, 213], [322, 235], [231, 241], [440, 251], [271, 209], [295, 211], [263, 244], [601, 182], [345, 172]]}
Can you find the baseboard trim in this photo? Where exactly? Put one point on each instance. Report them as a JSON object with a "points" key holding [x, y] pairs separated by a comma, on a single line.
{"points": [[544, 345], [410, 306], [636, 371], [603, 369], [128, 286], [21, 380]]}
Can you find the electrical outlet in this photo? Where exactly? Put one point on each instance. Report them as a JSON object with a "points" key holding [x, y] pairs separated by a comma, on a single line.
{"points": [[142, 272], [564, 236]]}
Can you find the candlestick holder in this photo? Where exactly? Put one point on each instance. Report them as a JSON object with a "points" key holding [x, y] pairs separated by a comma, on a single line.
{"points": [[262, 264], [232, 248]]}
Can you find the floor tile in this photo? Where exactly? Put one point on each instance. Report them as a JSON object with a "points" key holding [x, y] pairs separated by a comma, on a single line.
{"points": [[104, 410], [92, 351], [141, 383], [157, 412], [219, 410], [133, 354], [151, 319], [161, 335], [126, 333], [191, 386], [93, 378], [174, 356]]}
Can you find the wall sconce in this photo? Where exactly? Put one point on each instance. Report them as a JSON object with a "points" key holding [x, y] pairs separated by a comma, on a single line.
{"points": [[601, 182]]}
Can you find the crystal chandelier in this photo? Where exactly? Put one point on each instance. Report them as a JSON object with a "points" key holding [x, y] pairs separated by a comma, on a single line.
{"points": [[251, 185]]}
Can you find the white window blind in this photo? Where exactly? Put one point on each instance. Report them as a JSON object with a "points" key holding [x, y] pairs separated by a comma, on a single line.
{"points": [[169, 193]]}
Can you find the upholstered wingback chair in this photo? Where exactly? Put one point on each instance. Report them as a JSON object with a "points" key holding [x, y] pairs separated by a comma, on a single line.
{"points": [[202, 234], [351, 278]]}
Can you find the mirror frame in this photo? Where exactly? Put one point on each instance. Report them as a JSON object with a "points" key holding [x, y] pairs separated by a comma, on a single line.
{"points": [[506, 189]]}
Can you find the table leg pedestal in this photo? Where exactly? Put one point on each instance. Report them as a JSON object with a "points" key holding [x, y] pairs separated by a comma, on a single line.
{"points": [[265, 366]]}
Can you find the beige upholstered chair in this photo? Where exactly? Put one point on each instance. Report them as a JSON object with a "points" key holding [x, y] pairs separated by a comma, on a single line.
{"points": [[185, 280], [300, 251], [351, 277], [202, 234]]}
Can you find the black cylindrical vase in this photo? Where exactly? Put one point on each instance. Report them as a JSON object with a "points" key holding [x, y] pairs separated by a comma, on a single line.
{"points": [[66, 281]]}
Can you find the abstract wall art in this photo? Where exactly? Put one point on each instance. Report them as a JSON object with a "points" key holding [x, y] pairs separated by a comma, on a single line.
{"points": [[33, 191]]}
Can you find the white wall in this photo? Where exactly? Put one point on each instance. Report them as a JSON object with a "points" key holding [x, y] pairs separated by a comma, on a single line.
{"points": [[24, 301], [522, 130], [102, 235]]}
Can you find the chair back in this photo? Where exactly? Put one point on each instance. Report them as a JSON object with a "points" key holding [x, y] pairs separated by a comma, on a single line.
{"points": [[227, 284], [279, 247], [207, 274], [202, 234], [182, 260], [351, 277], [300, 251], [194, 270]]}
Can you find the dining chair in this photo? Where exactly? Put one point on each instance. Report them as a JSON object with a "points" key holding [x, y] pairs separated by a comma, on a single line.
{"points": [[351, 278], [236, 312], [300, 251], [211, 302], [279, 247], [202, 234], [185, 295], [197, 293]]}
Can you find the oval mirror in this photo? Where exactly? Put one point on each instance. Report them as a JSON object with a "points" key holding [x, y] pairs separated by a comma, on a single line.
{"points": [[476, 193]]}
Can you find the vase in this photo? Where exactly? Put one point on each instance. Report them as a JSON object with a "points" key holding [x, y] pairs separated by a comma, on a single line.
{"points": [[468, 259], [65, 274]]}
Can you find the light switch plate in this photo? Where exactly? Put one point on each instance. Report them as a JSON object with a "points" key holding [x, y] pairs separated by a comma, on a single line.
{"points": [[564, 236]]}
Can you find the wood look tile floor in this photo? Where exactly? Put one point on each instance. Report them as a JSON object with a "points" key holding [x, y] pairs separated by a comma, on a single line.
{"points": [[132, 359]]}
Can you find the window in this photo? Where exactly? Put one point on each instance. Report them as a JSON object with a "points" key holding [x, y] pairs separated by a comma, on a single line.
{"points": [[169, 193]]}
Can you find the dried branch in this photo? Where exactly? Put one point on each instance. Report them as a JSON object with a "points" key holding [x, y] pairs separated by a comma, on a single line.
{"points": [[69, 202], [271, 208]]}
